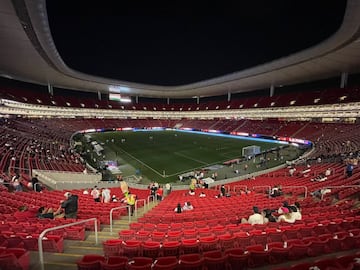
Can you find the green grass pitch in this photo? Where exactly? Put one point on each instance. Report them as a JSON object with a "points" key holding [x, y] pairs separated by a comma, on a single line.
{"points": [[167, 154]]}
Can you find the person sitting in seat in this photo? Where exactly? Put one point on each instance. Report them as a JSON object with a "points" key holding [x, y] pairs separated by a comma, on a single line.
{"points": [[187, 207], [178, 208]]}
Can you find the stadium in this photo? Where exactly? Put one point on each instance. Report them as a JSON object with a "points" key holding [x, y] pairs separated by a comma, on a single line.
{"points": [[169, 169]]}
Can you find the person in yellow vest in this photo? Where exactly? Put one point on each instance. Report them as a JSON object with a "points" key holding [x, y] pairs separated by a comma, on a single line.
{"points": [[130, 200]]}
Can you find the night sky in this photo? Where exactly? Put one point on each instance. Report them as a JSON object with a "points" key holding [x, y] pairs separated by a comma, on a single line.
{"points": [[175, 43]]}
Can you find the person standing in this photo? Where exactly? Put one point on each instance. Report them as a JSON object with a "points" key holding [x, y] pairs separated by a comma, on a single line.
{"points": [[95, 193], [159, 193], [106, 195], [131, 200]]}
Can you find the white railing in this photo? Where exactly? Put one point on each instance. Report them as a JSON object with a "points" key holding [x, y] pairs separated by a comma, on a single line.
{"points": [[148, 200], [42, 234], [241, 187], [304, 187], [116, 208], [332, 187], [268, 187], [136, 205]]}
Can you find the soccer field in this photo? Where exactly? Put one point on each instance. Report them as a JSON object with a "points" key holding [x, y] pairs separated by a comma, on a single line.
{"points": [[167, 154]]}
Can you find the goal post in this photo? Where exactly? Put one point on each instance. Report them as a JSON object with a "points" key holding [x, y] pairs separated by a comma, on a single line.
{"points": [[251, 151]]}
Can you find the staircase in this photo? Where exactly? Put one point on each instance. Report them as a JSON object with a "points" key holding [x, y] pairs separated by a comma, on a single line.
{"points": [[74, 250]]}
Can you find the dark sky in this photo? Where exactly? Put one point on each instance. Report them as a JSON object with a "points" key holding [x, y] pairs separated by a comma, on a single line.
{"points": [[175, 43]]}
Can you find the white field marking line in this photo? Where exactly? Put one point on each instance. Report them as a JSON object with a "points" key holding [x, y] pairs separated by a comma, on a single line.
{"points": [[155, 171], [195, 168], [187, 157]]}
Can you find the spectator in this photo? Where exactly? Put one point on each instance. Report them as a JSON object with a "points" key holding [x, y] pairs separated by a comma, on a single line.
{"points": [[105, 195], [286, 216], [17, 186], [70, 205], [285, 205], [349, 169], [131, 200], [49, 213], [178, 208], [295, 211], [202, 194], [256, 217], [268, 216], [35, 183], [159, 193], [222, 190], [95, 193], [187, 207]]}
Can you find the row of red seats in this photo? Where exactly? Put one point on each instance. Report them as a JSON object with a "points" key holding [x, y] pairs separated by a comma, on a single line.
{"points": [[14, 259], [232, 258]]}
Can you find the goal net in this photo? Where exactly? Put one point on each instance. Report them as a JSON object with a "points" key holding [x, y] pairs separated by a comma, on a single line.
{"points": [[250, 151]]}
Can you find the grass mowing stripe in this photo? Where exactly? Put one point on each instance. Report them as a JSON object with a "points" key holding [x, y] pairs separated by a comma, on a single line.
{"points": [[187, 157], [147, 166]]}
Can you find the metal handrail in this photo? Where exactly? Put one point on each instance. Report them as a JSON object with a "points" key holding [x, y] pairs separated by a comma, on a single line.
{"points": [[305, 188], [136, 203], [269, 187], [239, 186], [345, 186], [42, 234], [116, 208], [148, 199]]}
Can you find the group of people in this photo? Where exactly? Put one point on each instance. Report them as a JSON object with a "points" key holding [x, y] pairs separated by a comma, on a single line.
{"points": [[156, 191], [285, 213], [186, 207], [68, 208]]}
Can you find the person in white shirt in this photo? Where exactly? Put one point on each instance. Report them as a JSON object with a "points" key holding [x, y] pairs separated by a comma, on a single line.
{"points": [[105, 195], [286, 216], [187, 206], [95, 193], [256, 218]]}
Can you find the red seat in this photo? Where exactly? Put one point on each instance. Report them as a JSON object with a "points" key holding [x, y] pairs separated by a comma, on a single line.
{"points": [[75, 233], [174, 236], [166, 263], [127, 235], [53, 243], [298, 250], [9, 262], [215, 260], [278, 254], [189, 246], [142, 236], [237, 259], [31, 243], [112, 247], [140, 263], [114, 263], [227, 241], [130, 248], [150, 249], [22, 256], [171, 248], [191, 262], [158, 236], [257, 258], [90, 262], [242, 239], [208, 243]]}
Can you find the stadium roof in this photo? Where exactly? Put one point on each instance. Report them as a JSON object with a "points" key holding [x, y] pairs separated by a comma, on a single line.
{"points": [[31, 51]]}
